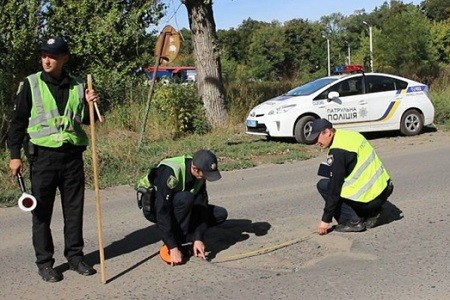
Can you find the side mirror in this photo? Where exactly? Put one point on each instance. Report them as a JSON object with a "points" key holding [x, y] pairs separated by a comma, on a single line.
{"points": [[332, 95]]}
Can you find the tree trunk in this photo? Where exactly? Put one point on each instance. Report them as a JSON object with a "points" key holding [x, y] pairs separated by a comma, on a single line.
{"points": [[207, 61]]}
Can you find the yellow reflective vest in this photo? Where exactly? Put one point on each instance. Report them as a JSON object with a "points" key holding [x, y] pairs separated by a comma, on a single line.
{"points": [[369, 177], [178, 165], [46, 126]]}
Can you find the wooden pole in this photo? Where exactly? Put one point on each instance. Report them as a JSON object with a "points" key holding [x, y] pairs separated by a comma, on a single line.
{"points": [[96, 185], [167, 47], [149, 97]]}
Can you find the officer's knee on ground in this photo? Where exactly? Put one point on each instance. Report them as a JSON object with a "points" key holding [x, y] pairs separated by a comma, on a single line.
{"points": [[218, 214]]}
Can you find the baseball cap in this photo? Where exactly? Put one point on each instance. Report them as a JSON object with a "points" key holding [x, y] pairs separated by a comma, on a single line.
{"points": [[55, 46], [206, 161], [317, 127]]}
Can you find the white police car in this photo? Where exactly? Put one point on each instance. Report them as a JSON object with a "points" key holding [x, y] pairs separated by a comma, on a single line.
{"points": [[355, 101]]}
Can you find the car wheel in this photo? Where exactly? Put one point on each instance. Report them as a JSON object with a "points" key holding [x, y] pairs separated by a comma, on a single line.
{"points": [[411, 123], [302, 129]]}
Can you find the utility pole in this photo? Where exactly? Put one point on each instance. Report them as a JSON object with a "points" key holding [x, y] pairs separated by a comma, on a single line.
{"points": [[328, 53], [370, 45]]}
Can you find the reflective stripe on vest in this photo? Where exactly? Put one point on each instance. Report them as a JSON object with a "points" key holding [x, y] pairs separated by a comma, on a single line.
{"points": [[46, 127], [368, 178]]}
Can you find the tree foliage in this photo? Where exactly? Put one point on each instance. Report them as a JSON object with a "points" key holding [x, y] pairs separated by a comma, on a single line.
{"points": [[406, 41], [108, 38], [436, 10], [111, 38]]}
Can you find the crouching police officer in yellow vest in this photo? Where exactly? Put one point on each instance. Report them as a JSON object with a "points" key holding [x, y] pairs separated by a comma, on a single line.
{"points": [[357, 185], [173, 195], [49, 110]]}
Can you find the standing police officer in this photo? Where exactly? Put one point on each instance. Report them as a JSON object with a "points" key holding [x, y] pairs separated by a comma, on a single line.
{"points": [[49, 110], [181, 203], [358, 184]]}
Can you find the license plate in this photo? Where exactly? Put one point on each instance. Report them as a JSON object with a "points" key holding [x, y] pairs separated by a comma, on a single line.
{"points": [[252, 123]]}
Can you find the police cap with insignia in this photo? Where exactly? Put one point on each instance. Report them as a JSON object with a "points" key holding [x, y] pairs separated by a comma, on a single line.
{"points": [[55, 46], [317, 127], [206, 161]]}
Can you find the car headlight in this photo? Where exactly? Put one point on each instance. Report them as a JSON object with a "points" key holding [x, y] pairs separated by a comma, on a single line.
{"points": [[281, 109]]}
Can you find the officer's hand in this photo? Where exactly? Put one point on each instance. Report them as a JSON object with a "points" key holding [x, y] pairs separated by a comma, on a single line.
{"points": [[91, 95], [322, 228], [176, 257], [199, 249], [15, 165]]}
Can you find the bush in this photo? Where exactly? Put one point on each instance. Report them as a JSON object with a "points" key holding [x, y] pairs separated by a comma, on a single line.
{"points": [[7, 89], [440, 95], [180, 106]]}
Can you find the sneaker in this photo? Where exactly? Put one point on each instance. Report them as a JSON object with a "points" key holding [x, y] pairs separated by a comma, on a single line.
{"points": [[49, 274], [351, 226], [371, 222], [82, 268]]}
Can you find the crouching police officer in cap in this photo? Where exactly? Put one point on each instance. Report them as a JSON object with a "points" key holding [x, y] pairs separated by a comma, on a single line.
{"points": [[49, 110], [358, 183], [179, 203]]}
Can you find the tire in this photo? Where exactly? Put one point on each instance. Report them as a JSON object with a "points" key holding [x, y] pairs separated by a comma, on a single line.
{"points": [[302, 129], [411, 122]]}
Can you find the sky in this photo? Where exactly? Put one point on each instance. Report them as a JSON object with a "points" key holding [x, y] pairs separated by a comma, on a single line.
{"points": [[230, 13]]}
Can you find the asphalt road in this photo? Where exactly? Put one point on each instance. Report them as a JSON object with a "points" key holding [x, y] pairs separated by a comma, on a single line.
{"points": [[267, 249]]}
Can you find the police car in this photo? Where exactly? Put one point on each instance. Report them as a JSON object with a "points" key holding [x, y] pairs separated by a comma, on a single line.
{"points": [[352, 100]]}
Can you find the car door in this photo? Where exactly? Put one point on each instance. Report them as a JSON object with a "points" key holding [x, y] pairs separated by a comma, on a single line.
{"points": [[348, 107], [381, 99]]}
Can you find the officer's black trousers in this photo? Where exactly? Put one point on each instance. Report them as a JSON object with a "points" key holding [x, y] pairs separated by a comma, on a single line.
{"points": [[51, 170], [188, 209], [353, 210]]}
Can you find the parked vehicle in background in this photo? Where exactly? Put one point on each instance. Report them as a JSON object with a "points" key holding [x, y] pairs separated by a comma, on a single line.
{"points": [[352, 100], [178, 74]]}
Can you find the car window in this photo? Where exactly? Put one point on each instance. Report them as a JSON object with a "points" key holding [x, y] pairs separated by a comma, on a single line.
{"points": [[348, 87], [310, 87], [376, 84]]}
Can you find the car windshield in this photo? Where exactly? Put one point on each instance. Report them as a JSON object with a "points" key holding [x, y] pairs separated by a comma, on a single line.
{"points": [[311, 87]]}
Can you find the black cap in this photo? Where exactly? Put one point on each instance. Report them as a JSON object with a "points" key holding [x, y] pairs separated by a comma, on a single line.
{"points": [[55, 46], [317, 127], [206, 161]]}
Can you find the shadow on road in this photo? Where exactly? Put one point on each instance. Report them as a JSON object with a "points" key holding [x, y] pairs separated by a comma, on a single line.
{"points": [[218, 238], [131, 242], [393, 133], [231, 232], [390, 213]]}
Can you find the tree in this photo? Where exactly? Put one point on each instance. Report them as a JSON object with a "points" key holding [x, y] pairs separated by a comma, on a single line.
{"points": [[207, 60], [412, 57], [440, 36], [107, 38], [436, 10], [21, 25]]}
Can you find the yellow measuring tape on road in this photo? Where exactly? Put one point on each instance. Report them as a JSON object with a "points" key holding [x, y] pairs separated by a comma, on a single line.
{"points": [[264, 250]]}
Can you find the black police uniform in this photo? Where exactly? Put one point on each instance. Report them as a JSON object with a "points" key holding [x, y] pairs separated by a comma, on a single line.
{"points": [[52, 168], [183, 216], [342, 163]]}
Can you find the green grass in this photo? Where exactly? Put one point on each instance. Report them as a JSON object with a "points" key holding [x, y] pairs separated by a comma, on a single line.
{"points": [[120, 162]]}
